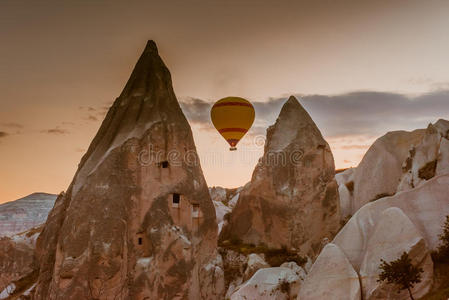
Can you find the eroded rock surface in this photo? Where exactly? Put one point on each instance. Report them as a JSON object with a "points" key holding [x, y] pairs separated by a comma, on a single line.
{"points": [[427, 159], [137, 222], [331, 277], [18, 265], [292, 199], [426, 206], [394, 234], [270, 284], [380, 171]]}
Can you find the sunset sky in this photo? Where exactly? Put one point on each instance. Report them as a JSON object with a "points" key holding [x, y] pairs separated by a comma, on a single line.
{"points": [[360, 68]]}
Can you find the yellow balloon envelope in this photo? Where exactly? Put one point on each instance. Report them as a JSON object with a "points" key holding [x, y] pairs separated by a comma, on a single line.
{"points": [[232, 117]]}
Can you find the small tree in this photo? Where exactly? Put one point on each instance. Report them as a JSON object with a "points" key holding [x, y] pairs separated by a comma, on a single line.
{"points": [[443, 250], [400, 272]]}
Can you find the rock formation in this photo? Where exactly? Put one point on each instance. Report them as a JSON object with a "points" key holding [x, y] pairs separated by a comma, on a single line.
{"points": [[345, 181], [224, 202], [255, 263], [427, 159], [426, 206], [137, 222], [25, 213], [292, 199], [394, 234], [408, 221], [332, 277], [18, 266], [380, 170], [278, 283]]}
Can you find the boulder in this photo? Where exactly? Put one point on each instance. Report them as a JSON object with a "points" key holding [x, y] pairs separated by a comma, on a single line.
{"points": [[392, 235], [380, 171], [295, 268], [137, 221], [255, 262], [269, 284], [331, 277], [292, 199]]}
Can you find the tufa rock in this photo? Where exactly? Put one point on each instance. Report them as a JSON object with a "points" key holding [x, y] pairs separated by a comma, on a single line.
{"points": [[255, 263], [292, 199], [394, 234], [427, 159], [426, 206], [137, 222], [331, 277], [380, 170], [278, 283]]}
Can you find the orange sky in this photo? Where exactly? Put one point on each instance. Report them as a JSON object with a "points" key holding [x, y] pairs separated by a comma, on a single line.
{"points": [[63, 63]]}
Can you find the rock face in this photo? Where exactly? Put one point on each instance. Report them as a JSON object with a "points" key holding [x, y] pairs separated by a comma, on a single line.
{"points": [[255, 263], [426, 206], [18, 266], [408, 221], [331, 277], [137, 222], [25, 213], [16, 260], [270, 284], [345, 181], [224, 201], [292, 199], [380, 170], [394, 234], [427, 159]]}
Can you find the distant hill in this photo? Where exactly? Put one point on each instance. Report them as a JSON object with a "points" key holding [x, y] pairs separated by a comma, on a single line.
{"points": [[25, 213]]}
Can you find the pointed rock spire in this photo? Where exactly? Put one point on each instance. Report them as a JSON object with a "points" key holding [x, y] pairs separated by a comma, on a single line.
{"points": [[137, 221], [292, 199]]}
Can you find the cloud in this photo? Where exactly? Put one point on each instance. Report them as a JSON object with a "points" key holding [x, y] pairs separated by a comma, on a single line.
{"points": [[91, 118], [55, 131], [374, 113], [94, 113], [360, 113], [12, 125], [3, 134], [357, 147], [196, 110]]}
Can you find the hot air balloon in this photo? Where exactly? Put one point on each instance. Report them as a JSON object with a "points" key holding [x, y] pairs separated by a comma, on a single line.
{"points": [[232, 117]]}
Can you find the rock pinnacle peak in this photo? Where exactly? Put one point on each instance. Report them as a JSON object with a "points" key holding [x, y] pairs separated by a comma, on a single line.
{"points": [[151, 46]]}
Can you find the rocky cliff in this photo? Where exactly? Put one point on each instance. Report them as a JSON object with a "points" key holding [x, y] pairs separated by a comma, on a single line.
{"points": [[25, 213], [292, 200], [380, 171], [137, 221]]}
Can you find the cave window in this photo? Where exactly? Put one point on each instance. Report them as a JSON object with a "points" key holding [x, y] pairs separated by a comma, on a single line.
{"points": [[176, 199], [163, 164], [139, 240]]}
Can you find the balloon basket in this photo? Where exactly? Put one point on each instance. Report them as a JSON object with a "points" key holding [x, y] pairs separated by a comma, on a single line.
{"points": [[232, 148]]}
